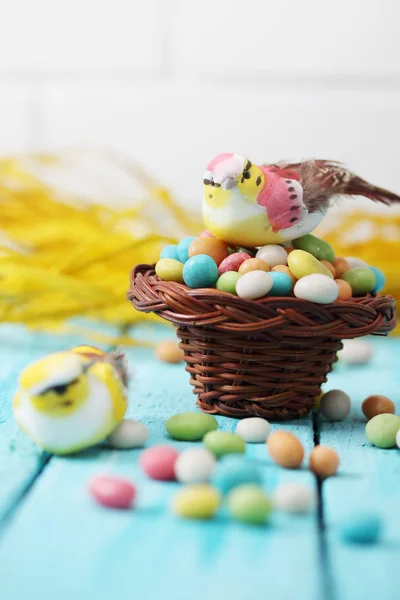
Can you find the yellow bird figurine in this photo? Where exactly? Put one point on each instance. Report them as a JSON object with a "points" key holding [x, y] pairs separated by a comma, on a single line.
{"points": [[72, 400], [252, 205]]}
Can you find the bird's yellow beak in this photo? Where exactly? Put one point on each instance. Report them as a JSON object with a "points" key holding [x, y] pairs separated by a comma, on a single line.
{"points": [[57, 384]]}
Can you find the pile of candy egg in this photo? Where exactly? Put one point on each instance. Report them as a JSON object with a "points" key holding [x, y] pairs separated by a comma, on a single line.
{"points": [[307, 269]]}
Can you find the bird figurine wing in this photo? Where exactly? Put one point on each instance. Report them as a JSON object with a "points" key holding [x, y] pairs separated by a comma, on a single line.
{"points": [[321, 180]]}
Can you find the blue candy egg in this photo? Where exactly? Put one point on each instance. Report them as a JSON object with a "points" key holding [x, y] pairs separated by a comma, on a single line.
{"points": [[170, 251], [200, 271], [232, 471], [282, 285], [379, 278], [183, 248], [361, 528]]}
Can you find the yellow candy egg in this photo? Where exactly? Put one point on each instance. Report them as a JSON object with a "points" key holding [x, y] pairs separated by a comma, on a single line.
{"points": [[169, 269], [197, 501], [303, 263]]}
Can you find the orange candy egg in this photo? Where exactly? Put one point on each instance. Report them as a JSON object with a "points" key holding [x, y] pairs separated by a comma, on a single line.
{"points": [[377, 405], [324, 461], [217, 249], [341, 266], [345, 290], [285, 449], [285, 269], [330, 267], [253, 264]]}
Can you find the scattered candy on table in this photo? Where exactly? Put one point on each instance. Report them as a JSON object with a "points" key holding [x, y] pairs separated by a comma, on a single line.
{"points": [[113, 492], [382, 430], [324, 461], [356, 352], [335, 405], [195, 465], [190, 426], [253, 429], [377, 405], [285, 449], [361, 528], [169, 352], [158, 462], [249, 503], [197, 501], [129, 434], [222, 442], [232, 471], [293, 497]]}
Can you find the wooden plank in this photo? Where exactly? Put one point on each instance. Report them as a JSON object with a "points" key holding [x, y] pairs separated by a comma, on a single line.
{"points": [[369, 479], [69, 547]]}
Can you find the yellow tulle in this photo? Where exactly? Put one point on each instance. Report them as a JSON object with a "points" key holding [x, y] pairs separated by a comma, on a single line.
{"points": [[64, 255]]}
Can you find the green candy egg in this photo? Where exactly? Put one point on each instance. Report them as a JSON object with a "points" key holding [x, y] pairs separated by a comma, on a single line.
{"points": [[227, 282], [360, 279], [222, 442], [318, 248], [190, 426], [249, 504], [381, 430]]}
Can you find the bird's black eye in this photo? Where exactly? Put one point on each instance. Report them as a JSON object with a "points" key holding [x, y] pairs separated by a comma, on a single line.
{"points": [[60, 389], [206, 181], [246, 175], [248, 166]]}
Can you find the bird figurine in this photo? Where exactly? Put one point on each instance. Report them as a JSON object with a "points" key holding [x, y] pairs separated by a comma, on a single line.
{"points": [[249, 205], [72, 400]]}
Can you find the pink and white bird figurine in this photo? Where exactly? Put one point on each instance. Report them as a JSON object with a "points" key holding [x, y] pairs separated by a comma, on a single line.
{"points": [[249, 205]]}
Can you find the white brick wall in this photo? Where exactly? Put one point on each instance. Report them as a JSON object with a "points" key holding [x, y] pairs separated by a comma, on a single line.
{"points": [[170, 83]]}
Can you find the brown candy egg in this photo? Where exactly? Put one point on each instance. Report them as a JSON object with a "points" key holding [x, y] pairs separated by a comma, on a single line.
{"points": [[345, 290], [169, 352], [217, 249], [341, 266], [253, 264], [377, 405], [330, 267], [324, 461], [285, 449]]}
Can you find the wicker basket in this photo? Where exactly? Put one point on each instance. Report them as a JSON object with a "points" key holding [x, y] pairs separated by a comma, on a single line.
{"points": [[266, 357]]}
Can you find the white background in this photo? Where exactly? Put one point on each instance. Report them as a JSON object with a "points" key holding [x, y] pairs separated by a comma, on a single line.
{"points": [[171, 83]]}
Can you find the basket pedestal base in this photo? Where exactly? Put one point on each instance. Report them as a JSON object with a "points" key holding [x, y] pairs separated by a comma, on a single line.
{"points": [[259, 376]]}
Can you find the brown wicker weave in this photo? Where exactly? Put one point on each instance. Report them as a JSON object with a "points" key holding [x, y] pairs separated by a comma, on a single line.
{"points": [[266, 357]]}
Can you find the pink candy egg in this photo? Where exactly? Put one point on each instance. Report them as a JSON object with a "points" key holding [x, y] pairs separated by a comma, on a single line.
{"points": [[112, 491], [206, 233], [159, 462], [232, 262]]}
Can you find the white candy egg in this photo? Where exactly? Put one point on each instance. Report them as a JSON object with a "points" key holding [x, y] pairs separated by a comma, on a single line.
{"points": [[316, 288], [253, 429], [273, 255], [355, 262], [254, 284], [356, 352], [194, 465], [398, 438], [293, 497], [129, 434], [335, 405]]}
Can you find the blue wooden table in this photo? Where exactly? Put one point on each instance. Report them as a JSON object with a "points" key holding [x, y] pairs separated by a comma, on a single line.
{"points": [[55, 543]]}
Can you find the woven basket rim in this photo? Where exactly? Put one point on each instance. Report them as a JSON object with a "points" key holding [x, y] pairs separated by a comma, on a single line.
{"points": [[208, 307]]}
